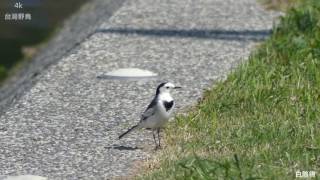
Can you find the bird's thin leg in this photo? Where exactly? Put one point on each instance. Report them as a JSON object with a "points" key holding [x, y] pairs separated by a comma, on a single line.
{"points": [[154, 138], [158, 130]]}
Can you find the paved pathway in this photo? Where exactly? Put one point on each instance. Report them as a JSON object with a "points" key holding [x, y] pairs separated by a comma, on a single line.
{"points": [[66, 126]]}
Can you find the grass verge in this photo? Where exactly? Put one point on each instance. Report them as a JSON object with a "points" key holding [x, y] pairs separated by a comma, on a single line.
{"points": [[263, 121], [281, 5]]}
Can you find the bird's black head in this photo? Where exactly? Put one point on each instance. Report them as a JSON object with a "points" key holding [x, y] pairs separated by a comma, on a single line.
{"points": [[166, 87], [159, 87]]}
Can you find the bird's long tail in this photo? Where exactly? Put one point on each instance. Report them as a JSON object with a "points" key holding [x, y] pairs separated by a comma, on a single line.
{"points": [[129, 130]]}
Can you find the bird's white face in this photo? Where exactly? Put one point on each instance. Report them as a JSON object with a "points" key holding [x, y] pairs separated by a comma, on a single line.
{"points": [[167, 87]]}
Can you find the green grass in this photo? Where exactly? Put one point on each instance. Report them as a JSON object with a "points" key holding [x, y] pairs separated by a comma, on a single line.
{"points": [[263, 121]]}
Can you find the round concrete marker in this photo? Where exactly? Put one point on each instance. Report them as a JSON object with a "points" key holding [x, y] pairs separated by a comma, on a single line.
{"points": [[129, 74], [25, 177]]}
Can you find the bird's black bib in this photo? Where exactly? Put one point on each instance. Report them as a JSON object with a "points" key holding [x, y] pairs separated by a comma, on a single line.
{"points": [[168, 105]]}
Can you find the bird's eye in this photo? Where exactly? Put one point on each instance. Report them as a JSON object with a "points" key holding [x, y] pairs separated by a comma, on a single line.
{"points": [[167, 87]]}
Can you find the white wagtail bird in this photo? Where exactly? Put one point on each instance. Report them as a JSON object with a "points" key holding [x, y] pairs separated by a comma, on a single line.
{"points": [[158, 112]]}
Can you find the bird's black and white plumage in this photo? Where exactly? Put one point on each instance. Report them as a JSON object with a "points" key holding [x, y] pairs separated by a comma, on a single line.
{"points": [[158, 112]]}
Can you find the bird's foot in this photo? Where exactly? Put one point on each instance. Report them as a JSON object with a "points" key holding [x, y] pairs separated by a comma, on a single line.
{"points": [[157, 147]]}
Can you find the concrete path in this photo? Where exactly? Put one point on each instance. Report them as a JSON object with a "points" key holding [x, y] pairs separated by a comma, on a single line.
{"points": [[66, 126]]}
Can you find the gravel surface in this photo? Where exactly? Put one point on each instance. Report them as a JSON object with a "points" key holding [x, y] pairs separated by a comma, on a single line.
{"points": [[66, 125]]}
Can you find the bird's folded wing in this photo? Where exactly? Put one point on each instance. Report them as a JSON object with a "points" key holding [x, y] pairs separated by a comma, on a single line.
{"points": [[149, 112], [151, 109]]}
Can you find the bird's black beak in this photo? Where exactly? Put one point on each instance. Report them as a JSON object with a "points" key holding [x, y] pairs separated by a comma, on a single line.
{"points": [[177, 87]]}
